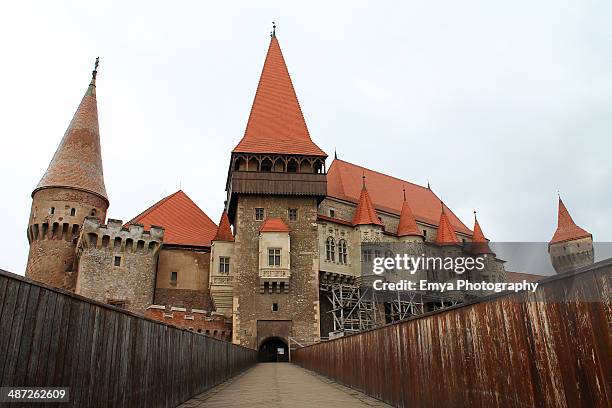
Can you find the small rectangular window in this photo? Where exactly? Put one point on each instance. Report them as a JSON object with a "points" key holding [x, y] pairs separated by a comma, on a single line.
{"points": [[117, 261], [274, 257], [173, 277], [275, 307], [367, 255], [259, 214], [224, 265], [293, 214], [52, 210], [332, 212]]}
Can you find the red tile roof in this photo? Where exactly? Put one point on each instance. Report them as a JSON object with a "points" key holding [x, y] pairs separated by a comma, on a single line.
{"points": [[365, 214], [567, 229], [77, 162], [335, 220], [183, 221], [274, 225], [407, 225], [516, 277], [224, 232], [446, 233], [344, 182], [480, 244], [276, 123]]}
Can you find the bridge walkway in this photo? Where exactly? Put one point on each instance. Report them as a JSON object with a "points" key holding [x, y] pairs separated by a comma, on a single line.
{"points": [[281, 385]]}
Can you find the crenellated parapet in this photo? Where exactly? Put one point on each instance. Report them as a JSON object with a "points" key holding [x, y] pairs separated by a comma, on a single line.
{"points": [[117, 264], [197, 320], [117, 238]]}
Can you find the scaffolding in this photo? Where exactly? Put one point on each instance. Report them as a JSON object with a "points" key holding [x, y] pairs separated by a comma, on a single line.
{"points": [[356, 307]]}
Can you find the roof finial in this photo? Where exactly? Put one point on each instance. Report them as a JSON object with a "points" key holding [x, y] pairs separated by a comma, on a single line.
{"points": [[363, 177], [335, 154], [428, 185], [94, 73], [442, 204], [404, 190], [273, 33], [475, 219]]}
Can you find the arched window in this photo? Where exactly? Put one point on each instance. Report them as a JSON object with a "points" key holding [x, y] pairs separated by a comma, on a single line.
{"points": [[342, 252], [330, 249], [292, 166], [266, 165]]}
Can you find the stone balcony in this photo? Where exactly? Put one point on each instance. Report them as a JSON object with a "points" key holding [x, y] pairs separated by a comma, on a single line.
{"points": [[274, 280]]}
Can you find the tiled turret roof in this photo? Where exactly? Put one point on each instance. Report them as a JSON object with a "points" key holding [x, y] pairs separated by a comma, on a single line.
{"points": [[276, 124], [567, 229], [446, 232], [224, 232], [365, 214], [77, 162]]}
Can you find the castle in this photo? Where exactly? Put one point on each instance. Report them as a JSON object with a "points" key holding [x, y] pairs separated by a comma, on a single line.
{"points": [[290, 270]]}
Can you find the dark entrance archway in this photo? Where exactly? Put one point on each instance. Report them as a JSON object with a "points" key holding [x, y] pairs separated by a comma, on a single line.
{"points": [[273, 350]]}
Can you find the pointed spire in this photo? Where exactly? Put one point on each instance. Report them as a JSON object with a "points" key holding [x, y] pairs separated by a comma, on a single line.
{"points": [[276, 124], [77, 162], [446, 232], [224, 232], [567, 229], [407, 224], [480, 244], [365, 214]]}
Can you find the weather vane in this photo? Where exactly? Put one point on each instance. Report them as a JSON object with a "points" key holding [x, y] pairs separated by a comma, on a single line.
{"points": [[273, 33], [95, 71]]}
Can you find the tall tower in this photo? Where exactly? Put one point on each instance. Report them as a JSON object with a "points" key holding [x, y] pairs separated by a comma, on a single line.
{"points": [[276, 179], [571, 247], [71, 189]]}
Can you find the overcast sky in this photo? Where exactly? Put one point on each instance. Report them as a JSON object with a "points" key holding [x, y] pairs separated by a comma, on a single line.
{"points": [[497, 103]]}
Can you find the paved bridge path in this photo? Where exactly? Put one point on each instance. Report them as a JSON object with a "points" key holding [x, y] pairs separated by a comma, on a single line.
{"points": [[281, 385]]}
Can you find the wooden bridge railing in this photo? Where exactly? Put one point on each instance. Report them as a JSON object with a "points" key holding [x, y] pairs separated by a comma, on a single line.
{"points": [[107, 356], [551, 348]]}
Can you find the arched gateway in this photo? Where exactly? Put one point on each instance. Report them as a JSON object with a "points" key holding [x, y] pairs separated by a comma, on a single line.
{"points": [[273, 350]]}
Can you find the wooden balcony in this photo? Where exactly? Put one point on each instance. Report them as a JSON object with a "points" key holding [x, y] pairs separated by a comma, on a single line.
{"points": [[252, 182]]}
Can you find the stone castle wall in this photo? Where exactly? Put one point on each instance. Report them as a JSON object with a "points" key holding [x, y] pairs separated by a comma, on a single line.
{"points": [[117, 265], [55, 220], [299, 308]]}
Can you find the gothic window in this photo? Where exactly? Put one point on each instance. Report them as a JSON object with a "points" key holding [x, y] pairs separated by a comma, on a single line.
{"points": [[224, 265], [330, 249], [342, 252], [293, 214], [259, 214], [266, 165], [292, 166], [274, 257]]}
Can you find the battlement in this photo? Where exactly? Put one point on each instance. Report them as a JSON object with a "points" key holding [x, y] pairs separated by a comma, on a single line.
{"points": [[114, 236], [201, 321]]}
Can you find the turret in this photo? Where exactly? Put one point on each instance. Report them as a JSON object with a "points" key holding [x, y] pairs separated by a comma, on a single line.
{"points": [[571, 247], [407, 229], [365, 220], [71, 189]]}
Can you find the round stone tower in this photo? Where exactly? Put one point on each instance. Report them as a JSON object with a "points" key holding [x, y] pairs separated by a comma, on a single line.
{"points": [[571, 247], [71, 189]]}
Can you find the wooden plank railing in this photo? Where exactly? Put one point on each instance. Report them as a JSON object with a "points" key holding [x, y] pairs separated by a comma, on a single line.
{"points": [[106, 356], [551, 348]]}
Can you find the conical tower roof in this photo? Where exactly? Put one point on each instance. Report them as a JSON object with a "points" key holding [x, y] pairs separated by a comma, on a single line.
{"points": [[407, 224], [276, 124], [365, 214], [480, 244], [567, 230], [224, 232], [446, 232], [77, 162]]}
